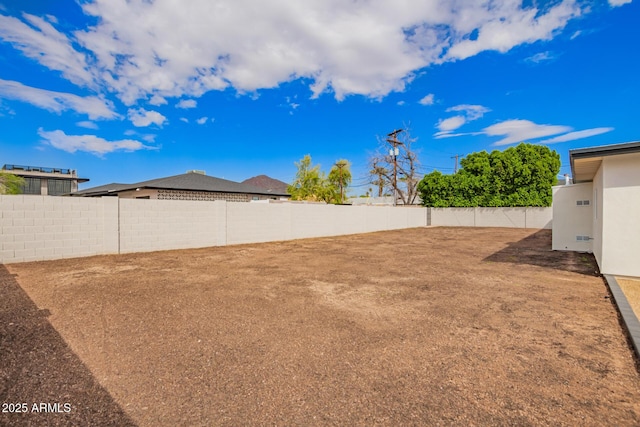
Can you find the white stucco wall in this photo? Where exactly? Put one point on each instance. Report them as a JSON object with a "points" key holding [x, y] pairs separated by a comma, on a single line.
{"points": [[621, 215], [570, 219], [597, 215]]}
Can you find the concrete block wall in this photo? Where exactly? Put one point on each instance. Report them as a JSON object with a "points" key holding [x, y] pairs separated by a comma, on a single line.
{"points": [[257, 222], [38, 228], [42, 227], [493, 217], [453, 217], [503, 217], [152, 225], [539, 218]]}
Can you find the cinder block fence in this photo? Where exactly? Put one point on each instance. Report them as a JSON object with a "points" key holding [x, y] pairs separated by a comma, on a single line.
{"points": [[44, 228]]}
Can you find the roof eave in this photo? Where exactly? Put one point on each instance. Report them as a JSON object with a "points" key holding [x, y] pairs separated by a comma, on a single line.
{"points": [[599, 152]]}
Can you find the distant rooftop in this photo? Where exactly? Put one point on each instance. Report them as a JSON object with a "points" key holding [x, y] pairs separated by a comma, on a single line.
{"points": [[19, 168], [191, 181], [45, 173]]}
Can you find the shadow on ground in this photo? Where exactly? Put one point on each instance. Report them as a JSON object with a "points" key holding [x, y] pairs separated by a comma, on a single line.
{"points": [[38, 367], [535, 249]]}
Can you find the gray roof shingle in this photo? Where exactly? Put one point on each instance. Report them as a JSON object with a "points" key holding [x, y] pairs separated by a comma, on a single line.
{"points": [[187, 181]]}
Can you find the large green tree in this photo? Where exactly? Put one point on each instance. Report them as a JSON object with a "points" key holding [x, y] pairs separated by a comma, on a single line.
{"points": [[519, 176], [312, 184], [10, 184]]}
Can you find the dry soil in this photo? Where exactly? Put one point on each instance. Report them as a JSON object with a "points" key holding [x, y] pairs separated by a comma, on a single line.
{"points": [[429, 326]]}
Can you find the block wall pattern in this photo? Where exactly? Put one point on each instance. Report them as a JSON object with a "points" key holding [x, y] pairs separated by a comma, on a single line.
{"points": [[43, 228], [201, 195]]}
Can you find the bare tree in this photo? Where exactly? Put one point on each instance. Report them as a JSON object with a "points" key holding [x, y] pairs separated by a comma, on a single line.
{"points": [[394, 167]]}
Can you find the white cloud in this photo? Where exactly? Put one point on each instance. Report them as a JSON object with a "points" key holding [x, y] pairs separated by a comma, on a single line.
{"points": [[187, 103], [369, 48], [449, 134], [540, 57], [572, 136], [184, 119], [89, 143], [515, 131], [472, 112], [202, 120], [401, 103], [87, 124], [40, 41], [427, 100], [509, 25], [452, 123], [141, 117], [93, 106], [616, 3], [157, 100]]}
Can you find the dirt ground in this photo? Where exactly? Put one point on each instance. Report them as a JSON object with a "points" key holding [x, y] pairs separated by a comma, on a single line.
{"points": [[429, 326]]}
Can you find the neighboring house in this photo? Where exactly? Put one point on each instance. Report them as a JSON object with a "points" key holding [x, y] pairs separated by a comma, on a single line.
{"points": [[193, 185], [46, 181], [599, 212], [270, 184]]}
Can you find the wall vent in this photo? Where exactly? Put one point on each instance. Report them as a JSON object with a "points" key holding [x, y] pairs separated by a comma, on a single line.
{"points": [[583, 202]]}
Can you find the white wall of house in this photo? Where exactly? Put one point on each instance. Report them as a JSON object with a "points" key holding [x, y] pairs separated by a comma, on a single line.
{"points": [[573, 207], [611, 219], [621, 215], [597, 215]]}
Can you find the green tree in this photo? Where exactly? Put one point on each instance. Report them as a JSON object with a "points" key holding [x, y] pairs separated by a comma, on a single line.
{"points": [[10, 184], [312, 184], [340, 178], [519, 176]]}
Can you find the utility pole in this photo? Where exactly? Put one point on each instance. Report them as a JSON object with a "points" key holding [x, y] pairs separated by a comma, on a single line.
{"points": [[340, 165], [392, 139], [455, 167]]}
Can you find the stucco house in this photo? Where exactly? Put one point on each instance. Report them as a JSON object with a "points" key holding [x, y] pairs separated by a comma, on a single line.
{"points": [[600, 211], [193, 185]]}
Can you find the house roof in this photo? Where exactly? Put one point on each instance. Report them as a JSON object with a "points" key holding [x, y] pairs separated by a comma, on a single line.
{"points": [[585, 162], [187, 182], [101, 190], [265, 182]]}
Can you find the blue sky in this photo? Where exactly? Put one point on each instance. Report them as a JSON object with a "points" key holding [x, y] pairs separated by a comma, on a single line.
{"points": [[125, 91]]}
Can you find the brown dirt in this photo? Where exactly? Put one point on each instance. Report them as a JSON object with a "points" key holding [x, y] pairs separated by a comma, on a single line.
{"points": [[431, 326], [631, 290]]}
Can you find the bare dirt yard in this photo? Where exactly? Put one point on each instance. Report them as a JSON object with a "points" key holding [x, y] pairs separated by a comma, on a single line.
{"points": [[430, 326]]}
